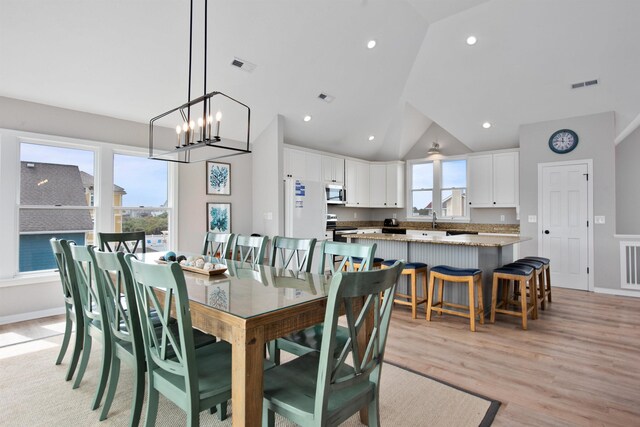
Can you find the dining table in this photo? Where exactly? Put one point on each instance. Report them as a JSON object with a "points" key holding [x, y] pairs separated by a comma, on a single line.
{"points": [[247, 306]]}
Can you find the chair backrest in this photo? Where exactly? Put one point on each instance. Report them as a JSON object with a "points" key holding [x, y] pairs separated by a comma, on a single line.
{"points": [[114, 276], [67, 271], [376, 288], [130, 242], [218, 243], [347, 251], [91, 293], [292, 254], [169, 349], [249, 248]]}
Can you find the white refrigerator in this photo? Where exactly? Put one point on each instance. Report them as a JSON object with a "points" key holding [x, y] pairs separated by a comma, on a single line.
{"points": [[305, 209]]}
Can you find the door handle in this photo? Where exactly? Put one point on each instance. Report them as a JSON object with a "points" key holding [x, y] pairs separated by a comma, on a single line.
{"points": [[546, 231]]}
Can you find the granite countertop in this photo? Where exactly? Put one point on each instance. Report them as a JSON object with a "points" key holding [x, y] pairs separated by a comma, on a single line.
{"points": [[462, 240], [442, 226]]}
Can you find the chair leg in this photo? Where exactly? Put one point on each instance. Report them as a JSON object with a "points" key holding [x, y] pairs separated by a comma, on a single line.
{"points": [[548, 283], [440, 294], [222, 411], [68, 327], [152, 405], [114, 376], [523, 301], [413, 294], [494, 298], [374, 412], [430, 296], [472, 304], [541, 287], [268, 417], [274, 352], [104, 370], [480, 300], [86, 352], [424, 289], [533, 283], [138, 394], [77, 350]]}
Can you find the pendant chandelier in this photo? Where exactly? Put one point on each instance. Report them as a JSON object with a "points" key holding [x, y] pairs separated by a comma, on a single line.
{"points": [[197, 137]]}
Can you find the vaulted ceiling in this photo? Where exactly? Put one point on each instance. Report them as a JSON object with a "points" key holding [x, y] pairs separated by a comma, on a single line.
{"points": [[128, 59]]}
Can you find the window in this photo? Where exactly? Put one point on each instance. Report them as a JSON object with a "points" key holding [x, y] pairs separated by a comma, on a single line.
{"points": [[439, 186], [140, 198], [422, 189], [56, 185]]}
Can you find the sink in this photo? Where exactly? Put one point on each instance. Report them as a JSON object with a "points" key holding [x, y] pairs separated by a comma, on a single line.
{"points": [[459, 232]]}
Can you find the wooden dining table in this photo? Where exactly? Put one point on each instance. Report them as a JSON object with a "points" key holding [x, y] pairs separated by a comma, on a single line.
{"points": [[248, 306]]}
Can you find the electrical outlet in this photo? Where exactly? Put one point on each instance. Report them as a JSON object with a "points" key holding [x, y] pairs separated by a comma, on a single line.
{"points": [[533, 218], [599, 219], [355, 215], [501, 218], [394, 216]]}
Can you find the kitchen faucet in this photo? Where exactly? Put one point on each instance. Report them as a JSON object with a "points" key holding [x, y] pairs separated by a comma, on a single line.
{"points": [[434, 224]]}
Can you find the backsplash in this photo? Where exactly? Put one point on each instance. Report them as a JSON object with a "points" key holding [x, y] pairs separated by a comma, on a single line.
{"points": [[443, 226]]}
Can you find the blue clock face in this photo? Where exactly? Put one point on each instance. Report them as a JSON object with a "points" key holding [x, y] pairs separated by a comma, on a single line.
{"points": [[563, 141]]}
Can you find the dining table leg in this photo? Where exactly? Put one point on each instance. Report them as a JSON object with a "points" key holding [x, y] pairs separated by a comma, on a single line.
{"points": [[247, 376]]}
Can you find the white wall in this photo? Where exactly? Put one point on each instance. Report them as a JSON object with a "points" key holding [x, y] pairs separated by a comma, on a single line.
{"points": [[596, 136], [627, 188]]}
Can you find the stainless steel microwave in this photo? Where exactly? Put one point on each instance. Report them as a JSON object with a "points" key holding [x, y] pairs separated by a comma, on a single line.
{"points": [[336, 194]]}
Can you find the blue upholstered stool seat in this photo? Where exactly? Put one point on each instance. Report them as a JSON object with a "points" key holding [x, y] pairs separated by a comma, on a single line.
{"points": [[407, 266], [530, 262], [515, 269], [543, 260], [376, 260], [455, 271]]}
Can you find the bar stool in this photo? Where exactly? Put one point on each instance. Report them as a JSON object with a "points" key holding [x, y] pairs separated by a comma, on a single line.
{"points": [[472, 277], [547, 269], [377, 263], [522, 274], [411, 269], [538, 277]]}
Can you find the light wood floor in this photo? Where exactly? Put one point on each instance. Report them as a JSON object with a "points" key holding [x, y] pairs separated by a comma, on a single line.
{"points": [[578, 364]]}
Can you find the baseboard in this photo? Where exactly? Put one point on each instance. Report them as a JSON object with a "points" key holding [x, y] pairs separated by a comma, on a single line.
{"points": [[31, 315], [619, 292]]}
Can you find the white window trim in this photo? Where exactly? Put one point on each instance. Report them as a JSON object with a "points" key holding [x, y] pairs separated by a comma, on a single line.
{"points": [[437, 190], [10, 141]]}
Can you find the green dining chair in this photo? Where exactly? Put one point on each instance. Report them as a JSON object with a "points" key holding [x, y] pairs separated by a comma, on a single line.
{"points": [[114, 276], [95, 319], [193, 379], [72, 305], [309, 339], [319, 389], [130, 242], [291, 253], [249, 248], [218, 243]]}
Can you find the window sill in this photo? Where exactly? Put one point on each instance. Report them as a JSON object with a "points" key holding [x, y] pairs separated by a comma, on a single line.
{"points": [[25, 279]]}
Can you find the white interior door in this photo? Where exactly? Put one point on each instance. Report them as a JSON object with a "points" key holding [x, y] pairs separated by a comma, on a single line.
{"points": [[564, 216]]}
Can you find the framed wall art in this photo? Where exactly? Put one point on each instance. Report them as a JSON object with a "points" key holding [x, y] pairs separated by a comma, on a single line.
{"points": [[218, 178], [219, 217]]}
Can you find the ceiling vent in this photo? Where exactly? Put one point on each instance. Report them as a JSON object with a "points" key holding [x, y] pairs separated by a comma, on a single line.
{"points": [[584, 84], [243, 65], [325, 97]]}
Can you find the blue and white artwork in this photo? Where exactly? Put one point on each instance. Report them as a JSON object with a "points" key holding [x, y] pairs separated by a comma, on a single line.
{"points": [[219, 217], [218, 178]]}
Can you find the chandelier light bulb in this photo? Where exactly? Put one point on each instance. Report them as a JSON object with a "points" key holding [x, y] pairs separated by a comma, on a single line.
{"points": [[185, 126], [200, 121], [178, 129], [218, 116]]}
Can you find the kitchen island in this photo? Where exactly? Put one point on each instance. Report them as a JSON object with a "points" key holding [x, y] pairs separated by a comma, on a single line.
{"points": [[485, 252]]}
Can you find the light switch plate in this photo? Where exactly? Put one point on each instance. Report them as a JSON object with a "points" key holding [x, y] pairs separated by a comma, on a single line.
{"points": [[533, 218], [501, 218], [599, 219]]}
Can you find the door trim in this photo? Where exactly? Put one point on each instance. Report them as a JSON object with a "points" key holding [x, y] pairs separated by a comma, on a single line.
{"points": [[590, 258]]}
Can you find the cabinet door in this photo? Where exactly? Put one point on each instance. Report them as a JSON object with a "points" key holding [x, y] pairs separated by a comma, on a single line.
{"points": [[351, 182], [313, 167], [294, 164], [338, 170], [378, 185], [395, 185], [480, 181], [505, 179], [363, 185], [327, 169]]}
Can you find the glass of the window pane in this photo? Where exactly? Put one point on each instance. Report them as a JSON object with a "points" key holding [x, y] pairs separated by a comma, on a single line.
{"points": [[55, 176], [422, 176], [454, 174], [454, 202], [139, 181], [154, 223], [38, 226], [422, 203]]}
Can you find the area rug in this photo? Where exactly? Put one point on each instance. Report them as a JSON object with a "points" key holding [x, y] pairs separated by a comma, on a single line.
{"points": [[33, 392]]}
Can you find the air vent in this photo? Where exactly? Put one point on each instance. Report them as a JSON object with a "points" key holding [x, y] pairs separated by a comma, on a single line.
{"points": [[326, 97], [584, 84], [243, 65]]}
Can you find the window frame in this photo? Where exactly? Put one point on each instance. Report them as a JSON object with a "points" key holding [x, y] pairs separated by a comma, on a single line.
{"points": [[437, 189]]}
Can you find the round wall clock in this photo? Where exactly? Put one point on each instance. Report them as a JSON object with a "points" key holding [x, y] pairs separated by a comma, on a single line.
{"points": [[563, 141]]}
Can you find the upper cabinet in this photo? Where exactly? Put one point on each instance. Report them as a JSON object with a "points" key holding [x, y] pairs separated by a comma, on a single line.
{"points": [[357, 183], [493, 180], [302, 165], [386, 185], [333, 169]]}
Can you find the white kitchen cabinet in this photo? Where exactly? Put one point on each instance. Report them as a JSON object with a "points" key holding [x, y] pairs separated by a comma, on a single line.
{"points": [[386, 185], [493, 180], [302, 165], [357, 183], [333, 169], [426, 233]]}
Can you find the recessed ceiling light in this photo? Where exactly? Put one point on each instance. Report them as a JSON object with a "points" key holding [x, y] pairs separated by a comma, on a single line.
{"points": [[371, 137], [486, 125], [371, 44], [307, 118], [471, 40]]}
